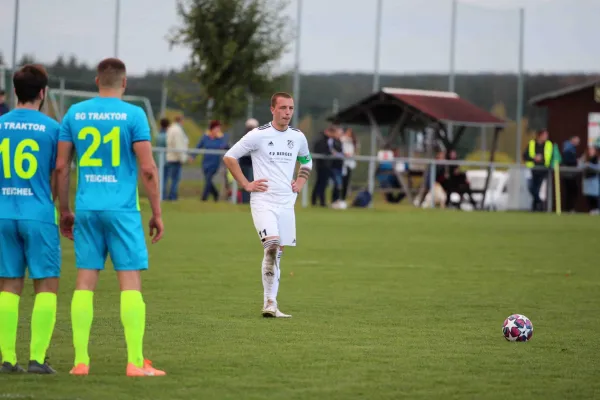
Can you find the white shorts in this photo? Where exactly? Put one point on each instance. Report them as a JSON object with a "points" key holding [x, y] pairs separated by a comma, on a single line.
{"points": [[280, 222]]}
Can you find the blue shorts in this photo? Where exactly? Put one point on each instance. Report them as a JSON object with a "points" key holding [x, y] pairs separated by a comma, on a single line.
{"points": [[31, 245], [120, 234]]}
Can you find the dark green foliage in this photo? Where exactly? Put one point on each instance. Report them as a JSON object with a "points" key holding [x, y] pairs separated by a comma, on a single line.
{"points": [[234, 45]]}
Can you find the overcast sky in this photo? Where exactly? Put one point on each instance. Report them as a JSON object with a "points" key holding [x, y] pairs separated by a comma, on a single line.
{"points": [[337, 35]]}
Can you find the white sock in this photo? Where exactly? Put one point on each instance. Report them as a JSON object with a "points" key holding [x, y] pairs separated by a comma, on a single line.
{"points": [[275, 287], [269, 267]]}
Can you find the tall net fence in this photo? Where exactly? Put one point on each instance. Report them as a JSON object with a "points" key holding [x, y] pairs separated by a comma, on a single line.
{"points": [[487, 41]]}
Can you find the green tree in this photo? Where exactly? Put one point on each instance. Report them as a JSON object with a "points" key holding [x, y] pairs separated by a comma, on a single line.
{"points": [[234, 46]]}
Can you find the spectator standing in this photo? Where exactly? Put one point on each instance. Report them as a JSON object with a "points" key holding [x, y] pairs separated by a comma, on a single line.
{"points": [[591, 178], [3, 106], [322, 167], [161, 137], [569, 181], [337, 165], [177, 147], [538, 154], [246, 162], [214, 139], [350, 149], [160, 141]]}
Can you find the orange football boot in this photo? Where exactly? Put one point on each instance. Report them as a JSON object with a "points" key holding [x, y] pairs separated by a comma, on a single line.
{"points": [[80, 369], [146, 370]]}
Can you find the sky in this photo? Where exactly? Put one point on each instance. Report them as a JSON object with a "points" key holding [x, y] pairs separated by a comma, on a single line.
{"points": [[335, 35]]}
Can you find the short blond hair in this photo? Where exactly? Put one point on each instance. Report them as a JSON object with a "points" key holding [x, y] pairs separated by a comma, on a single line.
{"points": [[111, 72], [277, 95]]}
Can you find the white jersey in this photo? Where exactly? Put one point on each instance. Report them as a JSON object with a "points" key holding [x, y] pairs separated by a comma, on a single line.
{"points": [[274, 154]]}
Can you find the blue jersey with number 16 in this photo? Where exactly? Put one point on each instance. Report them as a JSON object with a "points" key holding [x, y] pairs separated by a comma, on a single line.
{"points": [[103, 131], [27, 158]]}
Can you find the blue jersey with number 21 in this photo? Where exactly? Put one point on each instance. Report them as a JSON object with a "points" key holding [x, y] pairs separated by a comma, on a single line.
{"points": [[27, 158], [103, 131]]}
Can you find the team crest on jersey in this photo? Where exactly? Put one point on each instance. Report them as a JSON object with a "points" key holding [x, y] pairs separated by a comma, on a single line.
{"points": [[291, 144]]}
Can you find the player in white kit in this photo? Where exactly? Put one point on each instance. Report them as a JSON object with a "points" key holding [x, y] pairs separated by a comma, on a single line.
{"points": [[274, 149]]}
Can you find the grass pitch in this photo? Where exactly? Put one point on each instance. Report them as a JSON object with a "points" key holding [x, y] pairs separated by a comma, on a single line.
{"points": [[386, 305]]}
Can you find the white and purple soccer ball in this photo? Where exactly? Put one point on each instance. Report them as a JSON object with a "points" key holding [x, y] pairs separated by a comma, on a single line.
{"points": [[517, 328]]}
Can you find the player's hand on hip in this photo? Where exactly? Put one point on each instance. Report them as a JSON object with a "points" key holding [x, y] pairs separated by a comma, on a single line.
{"points": [[67, 221], [156, 228], [259, 185], [297, 186]]}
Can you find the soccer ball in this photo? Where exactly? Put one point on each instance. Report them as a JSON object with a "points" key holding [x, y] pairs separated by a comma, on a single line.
{"points": [[517, 328]]}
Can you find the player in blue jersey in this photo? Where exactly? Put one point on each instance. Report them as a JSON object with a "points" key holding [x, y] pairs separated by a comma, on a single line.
{"points": [[29, 238], [110, 138]]}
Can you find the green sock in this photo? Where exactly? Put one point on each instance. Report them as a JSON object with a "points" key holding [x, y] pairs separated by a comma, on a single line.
{"points": [[82, 314], [133, 317], [9, 320], [43, 319]]}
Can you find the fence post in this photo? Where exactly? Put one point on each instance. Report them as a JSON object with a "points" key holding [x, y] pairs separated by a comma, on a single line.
{"points": [[372, 169], [549, 192], [161, 170], [61, 104], [234, 189], [432, 179], [2, 77], [305, 195]]}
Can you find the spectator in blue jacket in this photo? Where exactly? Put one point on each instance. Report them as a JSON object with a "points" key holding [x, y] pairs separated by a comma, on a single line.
{"points": [[591, 179], [3, 107], [569, 179], [214, 139]]}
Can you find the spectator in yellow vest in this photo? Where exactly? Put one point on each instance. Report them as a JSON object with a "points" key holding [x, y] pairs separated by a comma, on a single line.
{"points": [[538, 155]]}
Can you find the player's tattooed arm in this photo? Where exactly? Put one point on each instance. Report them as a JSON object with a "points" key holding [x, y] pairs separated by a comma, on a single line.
{"points": [[303, 173]]}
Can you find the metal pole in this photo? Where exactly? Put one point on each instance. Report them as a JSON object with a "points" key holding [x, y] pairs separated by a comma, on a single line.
{"points": [[373, 146], [520, 84], [452, 77], [432, 179], [520, 94], [549, 191], [14, 54], [61, 104], [377, 45], [2, 77], [483, 143], [162, 155], [372, 165], [209, 106], [305, 194], [234, 190], [452, 73], [163, 99], [296, 88], [117, 18], [250, 110]]}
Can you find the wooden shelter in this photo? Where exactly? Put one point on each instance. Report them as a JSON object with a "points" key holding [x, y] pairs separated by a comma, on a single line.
{"points": [[402, 109]]}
